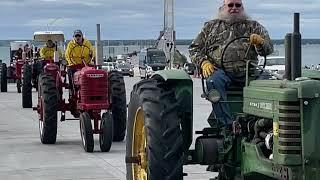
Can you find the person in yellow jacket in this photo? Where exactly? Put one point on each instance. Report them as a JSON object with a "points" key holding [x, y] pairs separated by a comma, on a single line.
{"points": [[47, 51], [79, 50]]}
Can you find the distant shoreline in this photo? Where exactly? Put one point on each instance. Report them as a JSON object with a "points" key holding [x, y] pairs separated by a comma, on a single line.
{"points": [[148, 42]]}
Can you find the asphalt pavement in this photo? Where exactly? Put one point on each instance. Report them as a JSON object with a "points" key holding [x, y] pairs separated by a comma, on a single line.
{"points": [[24, 157]]}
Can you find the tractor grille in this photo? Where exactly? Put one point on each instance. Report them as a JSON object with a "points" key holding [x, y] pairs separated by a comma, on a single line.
{"points": [[94, 90], [289, 128]]}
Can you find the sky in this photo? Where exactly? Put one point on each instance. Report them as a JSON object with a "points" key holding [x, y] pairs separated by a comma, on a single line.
{"points": [[143, 19]]}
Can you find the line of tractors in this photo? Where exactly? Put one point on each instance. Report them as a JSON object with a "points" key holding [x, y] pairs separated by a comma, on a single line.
{"points": [[96, 97], [273, 136]]}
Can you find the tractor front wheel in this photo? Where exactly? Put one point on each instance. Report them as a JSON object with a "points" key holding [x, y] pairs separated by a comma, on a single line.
{"points": [[48, 101], [86, 132], [154, 143], [26, 86], [106, 125], [117, 94]]}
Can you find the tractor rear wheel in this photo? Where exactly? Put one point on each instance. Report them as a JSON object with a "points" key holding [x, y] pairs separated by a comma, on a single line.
{"points": [[26, 86], [106, 125], [48, 108], [86, 132], [117, 94], [3, 77], [154, 143]]}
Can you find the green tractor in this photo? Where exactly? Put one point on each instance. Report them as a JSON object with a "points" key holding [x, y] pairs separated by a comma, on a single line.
{"points": [[273, 135]]}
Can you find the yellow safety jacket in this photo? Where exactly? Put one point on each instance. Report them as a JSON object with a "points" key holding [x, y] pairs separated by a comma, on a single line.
{"points": [[47, 53], [75, 52]]}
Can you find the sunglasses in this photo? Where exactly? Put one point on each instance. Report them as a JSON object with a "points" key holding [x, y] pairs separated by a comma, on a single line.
{"points": [[237, 5], [77, 35]]}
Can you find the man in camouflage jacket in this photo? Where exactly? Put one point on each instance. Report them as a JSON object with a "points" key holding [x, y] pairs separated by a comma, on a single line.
{"points": [[206, 50]]}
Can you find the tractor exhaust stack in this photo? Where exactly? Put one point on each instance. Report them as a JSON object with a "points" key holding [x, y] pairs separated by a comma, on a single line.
{"points": [[99, 48], [287, 43], [296, 49]]}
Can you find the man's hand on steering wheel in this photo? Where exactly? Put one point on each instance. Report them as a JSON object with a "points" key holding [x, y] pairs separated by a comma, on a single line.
{"points": [[256, 40], [207, 68]]}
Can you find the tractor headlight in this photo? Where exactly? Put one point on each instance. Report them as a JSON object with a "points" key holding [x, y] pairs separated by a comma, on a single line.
{"points": [[214, 96]]}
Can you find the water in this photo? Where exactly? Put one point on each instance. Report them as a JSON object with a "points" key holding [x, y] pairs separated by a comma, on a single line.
{"points": [[310, 53]]}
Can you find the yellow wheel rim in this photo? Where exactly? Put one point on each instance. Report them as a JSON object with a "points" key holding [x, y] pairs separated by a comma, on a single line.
{"points": [[139, 145]]}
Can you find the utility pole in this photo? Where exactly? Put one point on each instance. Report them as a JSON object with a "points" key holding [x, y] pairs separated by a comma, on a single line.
{"points": [[167, 40]]}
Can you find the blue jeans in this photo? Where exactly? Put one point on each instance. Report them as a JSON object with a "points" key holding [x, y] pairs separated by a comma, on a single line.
{"points": [[220, 81]]}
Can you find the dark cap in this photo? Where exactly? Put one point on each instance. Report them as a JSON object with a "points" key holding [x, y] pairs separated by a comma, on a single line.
{"points": [[77, 32]]}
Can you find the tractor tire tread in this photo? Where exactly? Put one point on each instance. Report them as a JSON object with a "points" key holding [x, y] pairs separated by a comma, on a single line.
{"points": [[49, 93], [164, 136], [117, 92], [26, 86]]}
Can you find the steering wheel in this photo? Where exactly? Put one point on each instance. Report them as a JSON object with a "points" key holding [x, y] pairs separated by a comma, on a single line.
{"points": [[246, 56], [205, 93]]}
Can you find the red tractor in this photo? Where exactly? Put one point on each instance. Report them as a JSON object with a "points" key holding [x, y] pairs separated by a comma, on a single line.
{"points": [[94, 96], [33, 67], [17, 59]]}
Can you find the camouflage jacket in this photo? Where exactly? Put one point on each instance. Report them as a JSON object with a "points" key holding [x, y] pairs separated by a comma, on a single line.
{"points": [[215, 35]]}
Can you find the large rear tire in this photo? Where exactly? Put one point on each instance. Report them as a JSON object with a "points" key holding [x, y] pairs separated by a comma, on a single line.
{"points": [[49, 108], [26, 86], [117, 92], [154, 143], [3, 77]]}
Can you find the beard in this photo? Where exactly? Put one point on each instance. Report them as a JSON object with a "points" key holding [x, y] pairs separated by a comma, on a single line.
{"points": [[232, 18]]}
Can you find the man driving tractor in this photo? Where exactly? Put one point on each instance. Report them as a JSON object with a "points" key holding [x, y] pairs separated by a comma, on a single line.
{"points": [[78, 52], [47, 51], [206, 52]]}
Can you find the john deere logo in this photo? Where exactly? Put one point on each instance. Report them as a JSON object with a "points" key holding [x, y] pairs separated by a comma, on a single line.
{"points": [[261, 105]]}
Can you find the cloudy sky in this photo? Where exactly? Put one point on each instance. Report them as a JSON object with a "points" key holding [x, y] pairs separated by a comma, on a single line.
{"points": [[143, 19]]}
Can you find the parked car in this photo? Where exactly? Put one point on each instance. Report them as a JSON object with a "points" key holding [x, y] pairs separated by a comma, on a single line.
{"points": [[109, 66], [126, 69], [275, 64]]}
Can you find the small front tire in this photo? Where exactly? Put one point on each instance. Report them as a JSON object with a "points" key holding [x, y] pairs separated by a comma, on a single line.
{"points": [[106, 138], [86, 132]]}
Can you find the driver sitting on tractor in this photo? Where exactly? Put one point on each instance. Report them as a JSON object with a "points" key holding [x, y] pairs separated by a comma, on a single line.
{"points": [[78, 52], [47, 51], [206, 49], [18, 54]]}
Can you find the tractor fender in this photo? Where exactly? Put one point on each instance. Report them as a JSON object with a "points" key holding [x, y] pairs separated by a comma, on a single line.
{"points": [[52, 69], [172, 74], [183, 85]]}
